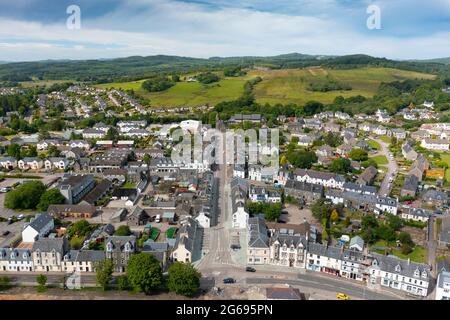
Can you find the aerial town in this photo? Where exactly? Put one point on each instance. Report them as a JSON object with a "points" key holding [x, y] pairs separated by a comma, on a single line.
{"points": [[357, 208]]}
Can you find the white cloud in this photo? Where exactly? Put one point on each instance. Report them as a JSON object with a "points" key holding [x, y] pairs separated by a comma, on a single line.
{"points": [[163, 27]]}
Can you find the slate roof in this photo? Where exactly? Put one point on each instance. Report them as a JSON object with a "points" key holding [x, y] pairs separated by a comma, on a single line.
{"points": [[407, 268], [258, 237], [60, 245], [40, 221], [303, 186]]}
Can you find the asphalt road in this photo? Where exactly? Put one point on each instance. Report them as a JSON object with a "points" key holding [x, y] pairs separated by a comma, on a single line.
{"points": [[391, 167]]}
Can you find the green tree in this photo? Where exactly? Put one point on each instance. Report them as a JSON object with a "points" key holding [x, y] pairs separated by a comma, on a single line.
{"points": [[26, 196], [80, 228], [405, 238], [53, 151], [369, 221], [13, 150], [41, 281], [341, 165], [183, 279], [123, 231], [144, 272], [4, 282], [112, 134], [52, 196], [406, 249], [358, 154], [312, 107], [104, 270], [321, 209]]}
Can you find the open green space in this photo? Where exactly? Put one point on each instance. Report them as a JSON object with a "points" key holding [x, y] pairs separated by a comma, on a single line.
{"points": [[373, 144], [446, 158], [154, 234], [380, 160], [278, 86], [386, 139], [129, 185]]}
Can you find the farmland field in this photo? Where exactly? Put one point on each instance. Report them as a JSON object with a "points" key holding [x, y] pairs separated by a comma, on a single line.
{"points": [[278, 86]]}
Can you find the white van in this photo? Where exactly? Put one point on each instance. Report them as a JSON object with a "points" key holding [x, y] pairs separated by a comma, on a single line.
{"points": [[158, 218]]}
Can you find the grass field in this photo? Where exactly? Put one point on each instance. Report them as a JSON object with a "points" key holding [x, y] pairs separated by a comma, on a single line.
{"points": [[278, 86], [380, 160], [386, 139], [290, 86], [40, 83], [373, 144], [446, 159], [188, 93]]}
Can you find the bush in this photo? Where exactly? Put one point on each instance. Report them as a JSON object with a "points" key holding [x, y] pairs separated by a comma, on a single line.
{"points": [[406, 249], [122, 282], [144, 273], [123, 231], [157, 84], [41, 281], [207, 78]]}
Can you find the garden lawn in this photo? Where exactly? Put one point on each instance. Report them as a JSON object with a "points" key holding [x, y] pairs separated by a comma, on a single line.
{"points": [[419, 254], [385, 139], [373, 144], [380, 160], [129, 185]]}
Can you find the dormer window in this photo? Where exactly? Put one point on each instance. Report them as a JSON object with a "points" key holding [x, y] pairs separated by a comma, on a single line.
{"points": [[424, 274], [398, 268], [109, 247], [416, 273]]}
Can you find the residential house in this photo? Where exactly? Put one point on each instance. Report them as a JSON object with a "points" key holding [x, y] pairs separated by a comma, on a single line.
{"points": [[239, 190], [82, 144], [16, 260], [410, 186], [112, 175], [325, 179], [358, 188], [435, 198], [288, 250], [187, 243], [102, 189], [418, 168], [305, 193], [408, 152], [82, 260], [30, 163], [403, 275], [416, 214], [8, 163], [48, 254], [137, 218], [258, 248], [56, 164], [119, 249], [398, 133], [435, 144], [367, 177], [38, 227]]}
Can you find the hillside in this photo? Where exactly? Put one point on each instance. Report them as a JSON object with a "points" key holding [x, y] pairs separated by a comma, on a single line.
{"points": [[137, 68], [278, 86]]}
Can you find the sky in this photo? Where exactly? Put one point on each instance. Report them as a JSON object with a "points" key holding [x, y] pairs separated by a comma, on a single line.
{"points": [[37, 29]]}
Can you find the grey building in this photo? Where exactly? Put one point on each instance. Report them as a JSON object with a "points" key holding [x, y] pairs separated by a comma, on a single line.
{"points": [[75, 187], [119, 249]]}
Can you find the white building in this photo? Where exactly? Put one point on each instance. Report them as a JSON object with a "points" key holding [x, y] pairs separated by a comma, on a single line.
{"points": [[443, 286], [435, 144], [30, 163], [203, 220], [40, 226], [399, 274]]}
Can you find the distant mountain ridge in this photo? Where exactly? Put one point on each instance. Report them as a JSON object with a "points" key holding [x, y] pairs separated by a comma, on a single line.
{"points": [[138, 67]]}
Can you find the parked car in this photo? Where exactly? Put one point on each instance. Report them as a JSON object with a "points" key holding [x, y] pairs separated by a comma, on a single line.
{"points": [[20, 217], [5, 233], [158, 218], [342, 296], [228, 280], [250, 269], [235, 247]]}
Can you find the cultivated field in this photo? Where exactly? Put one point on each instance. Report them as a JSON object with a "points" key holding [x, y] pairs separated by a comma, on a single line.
{"points": [[278, 86]]}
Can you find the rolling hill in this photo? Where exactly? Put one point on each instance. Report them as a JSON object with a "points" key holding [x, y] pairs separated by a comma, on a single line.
{"points": [[278, 86]]}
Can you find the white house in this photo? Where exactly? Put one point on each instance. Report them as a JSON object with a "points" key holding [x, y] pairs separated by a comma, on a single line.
{"points": [[137, 133], [82, 144], [38, 227], [56, 163], [443, 286], [91, 133], [435, 144], [16, 260], [8, 163], [399, 274], [239, 171], [30, 163], [203, 219], [325, 179]]}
